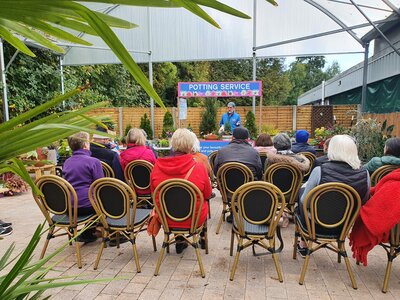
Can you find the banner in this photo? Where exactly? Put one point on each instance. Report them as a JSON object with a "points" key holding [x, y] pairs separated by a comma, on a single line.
{"points": [[206, 147], [219, 89], [182, 109]]}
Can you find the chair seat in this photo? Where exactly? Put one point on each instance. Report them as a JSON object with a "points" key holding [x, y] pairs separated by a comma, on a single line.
{"points": [[64, 220], [318, 235], [253, 228], [140, 217]]}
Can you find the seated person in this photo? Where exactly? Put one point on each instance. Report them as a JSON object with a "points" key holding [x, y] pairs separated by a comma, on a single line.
{"points": [[180, 164], [264, 144], [200, 157], [239, 150], [377, 217], [391, 156], [301, 144], [81, 170], [323, 159], [100, 148], [344, 166], [284, 154]]}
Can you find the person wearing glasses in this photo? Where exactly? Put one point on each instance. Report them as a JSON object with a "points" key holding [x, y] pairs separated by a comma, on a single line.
{"points": [[230, 116]]}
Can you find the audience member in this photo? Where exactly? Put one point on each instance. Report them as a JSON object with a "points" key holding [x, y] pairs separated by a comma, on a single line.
{"points": [[344, 166], [377, 217], [284, 154], [182, 165], [323, 159], [301, 144], [81, 170], [100, 148], [239, 150], [264, 144], [200, 157], [391, 156]]}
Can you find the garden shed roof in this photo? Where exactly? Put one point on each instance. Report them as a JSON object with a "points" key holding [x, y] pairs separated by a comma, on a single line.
{"points": [[294, 28]]}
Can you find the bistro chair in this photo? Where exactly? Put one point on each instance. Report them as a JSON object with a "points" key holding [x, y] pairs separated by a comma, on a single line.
{"points": [[59, 205], [115, 202], [108, 171], [311, 157], [330, 210], [257, 207], [211, 159], [288, 179], [382, 172], [137, 173], [263, 157], [230, 177], [392, 249], [178, 200]]}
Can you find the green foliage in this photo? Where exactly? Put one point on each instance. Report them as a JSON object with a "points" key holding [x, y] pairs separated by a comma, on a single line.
{"points": [[146, 126], [109, 123], [127, 128], [168, 125], [64, 149], [250, 124], [209, 117], [228, 128], [269, 129]]}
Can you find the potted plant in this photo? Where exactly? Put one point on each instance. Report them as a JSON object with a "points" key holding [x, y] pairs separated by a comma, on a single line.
{"points": [[146, 126], [250, 124], [208, 124], [168, 125], [227, 132]]}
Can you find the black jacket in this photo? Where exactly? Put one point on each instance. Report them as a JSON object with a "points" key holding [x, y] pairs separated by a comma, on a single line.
{"points": [[302, 147], [110, 157]]}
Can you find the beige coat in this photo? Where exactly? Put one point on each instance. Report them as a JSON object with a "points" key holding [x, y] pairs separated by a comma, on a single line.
{"points": [[297, 160]]}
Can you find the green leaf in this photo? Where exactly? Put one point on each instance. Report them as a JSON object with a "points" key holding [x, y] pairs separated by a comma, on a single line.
{"points": [[14, 41], [6, 255], [195, 9]]}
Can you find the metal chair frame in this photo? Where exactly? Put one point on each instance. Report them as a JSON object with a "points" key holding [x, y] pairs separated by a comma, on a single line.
{"points": [[223, 180], [311, 157], [335, 243], [107, 170], [69, 211], [263, 157], [242, 215], [382, 172], [190, 235], [129, 227], [130, 178], [392, 249]]}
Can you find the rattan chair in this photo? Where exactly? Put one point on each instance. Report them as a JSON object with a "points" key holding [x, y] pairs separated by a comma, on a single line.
{"points": [[263, 157], [230, 177], [211, 159], [257, 207], [311, 157], [178, 200], [115, 203], [331, 209], [59, 205], [382, 172], [108, 171], [137, 173], [392, 249]]}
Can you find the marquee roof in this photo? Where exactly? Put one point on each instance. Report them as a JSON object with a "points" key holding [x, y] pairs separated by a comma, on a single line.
{"points": [[174, 34]]}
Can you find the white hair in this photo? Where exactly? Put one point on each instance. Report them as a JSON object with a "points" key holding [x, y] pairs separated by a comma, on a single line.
{"points": [[196, 143], [343, 148], [182, 141]]}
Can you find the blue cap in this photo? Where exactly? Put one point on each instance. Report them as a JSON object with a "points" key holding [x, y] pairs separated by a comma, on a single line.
{"points": [[302, 136]]}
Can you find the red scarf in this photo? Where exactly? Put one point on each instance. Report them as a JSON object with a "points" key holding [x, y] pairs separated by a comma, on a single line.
{"points": [[377, 217]]}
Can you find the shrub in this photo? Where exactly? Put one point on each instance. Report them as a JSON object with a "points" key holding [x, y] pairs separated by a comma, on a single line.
{"points": [[146, 126], [209, 117], [168, 125], [127, 128], [250, 124]]}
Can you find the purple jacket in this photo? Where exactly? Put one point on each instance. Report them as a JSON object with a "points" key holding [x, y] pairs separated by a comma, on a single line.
{"points": [[81, 170]]}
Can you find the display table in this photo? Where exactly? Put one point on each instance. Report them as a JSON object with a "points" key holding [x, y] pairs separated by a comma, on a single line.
{"points": [[39, 171]]}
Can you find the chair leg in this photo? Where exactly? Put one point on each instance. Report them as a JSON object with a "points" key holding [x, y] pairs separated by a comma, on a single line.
{"points": [[198, 255], [296, 240], [307, 259], [235, 262], [78, 250], [348, 266], [154, 243], [278, 268], [209, 210], [135, 253], [160, 257], [46, 243], [102, 246], [206, 236], [387, 276], [221, 219], [232, 242]]}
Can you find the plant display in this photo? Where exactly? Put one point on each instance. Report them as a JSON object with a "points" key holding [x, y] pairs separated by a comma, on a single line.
{"points": [[269, 129], [168, 125], [110, 124], [250, 124], [63, 149], [322, 134], [14, 184], [146, 126], [209, 117]]}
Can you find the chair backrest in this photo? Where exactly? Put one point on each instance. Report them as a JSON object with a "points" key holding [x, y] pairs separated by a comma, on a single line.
{"points": [[113, 198], [263, 157], [107, 170], [137, 173], [231, 176], [311, 157], [258, 203], [382, 172], [333, 206], [287, 178], [177, 200], [59, 198], [211, 159]]}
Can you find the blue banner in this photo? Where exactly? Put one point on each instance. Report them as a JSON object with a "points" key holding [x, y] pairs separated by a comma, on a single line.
{"points": [[206, 147], [219, 89]]}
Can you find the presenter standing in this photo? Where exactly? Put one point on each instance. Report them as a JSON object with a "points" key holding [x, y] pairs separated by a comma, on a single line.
{"points": [[231, 116]]}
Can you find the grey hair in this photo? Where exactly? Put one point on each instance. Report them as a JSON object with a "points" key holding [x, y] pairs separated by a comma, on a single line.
{"points": [[182, 141], [343, 148], [282, 142], [196, 143]]}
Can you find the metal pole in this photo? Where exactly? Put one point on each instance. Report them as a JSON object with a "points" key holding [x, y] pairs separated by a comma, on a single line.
{"points": [[3, 83], [150, 70], [365, 77], [254, 51], [323, 92], [62, 75]]}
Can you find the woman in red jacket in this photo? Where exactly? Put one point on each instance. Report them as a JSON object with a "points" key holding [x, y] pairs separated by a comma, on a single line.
{"points": [[178, 165]]}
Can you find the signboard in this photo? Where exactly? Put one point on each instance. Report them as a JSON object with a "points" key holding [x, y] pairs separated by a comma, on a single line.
{"points": [[182, 109], [219, 89], [206, 147]]}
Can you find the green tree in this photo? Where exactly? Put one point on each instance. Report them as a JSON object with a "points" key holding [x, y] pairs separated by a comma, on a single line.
{"points": [[168, 125], [209, 117], [146, 126], [250, 124]]}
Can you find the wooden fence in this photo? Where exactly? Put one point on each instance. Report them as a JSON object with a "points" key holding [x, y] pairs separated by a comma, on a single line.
{"points": [[391, 118], [282, 118]]}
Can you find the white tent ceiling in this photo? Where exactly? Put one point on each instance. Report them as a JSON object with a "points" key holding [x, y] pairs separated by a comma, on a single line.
{"points": [[177, 35]]}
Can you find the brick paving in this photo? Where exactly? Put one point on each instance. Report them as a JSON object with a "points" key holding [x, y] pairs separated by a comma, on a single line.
{"points": [[180, 278]]}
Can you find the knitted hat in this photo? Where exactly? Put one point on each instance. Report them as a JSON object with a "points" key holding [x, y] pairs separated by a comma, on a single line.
{"points": [[302, 136], [240, 133]]}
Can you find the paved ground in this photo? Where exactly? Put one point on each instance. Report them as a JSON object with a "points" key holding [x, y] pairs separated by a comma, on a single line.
{"points": [[180, 277]]}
